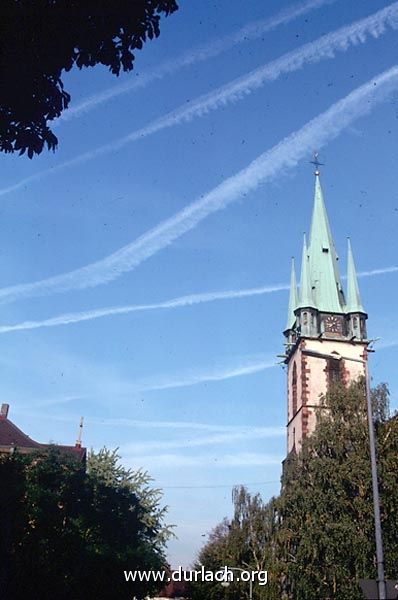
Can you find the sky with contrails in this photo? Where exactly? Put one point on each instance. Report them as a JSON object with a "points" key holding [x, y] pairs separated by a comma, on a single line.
{"points": [[145, 263]]}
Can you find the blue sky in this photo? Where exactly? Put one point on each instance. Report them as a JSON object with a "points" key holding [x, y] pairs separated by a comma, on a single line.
{"points": [[185, 380]]}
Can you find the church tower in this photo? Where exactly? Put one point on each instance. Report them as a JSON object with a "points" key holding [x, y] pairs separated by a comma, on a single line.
{"points": [[326, 337]]}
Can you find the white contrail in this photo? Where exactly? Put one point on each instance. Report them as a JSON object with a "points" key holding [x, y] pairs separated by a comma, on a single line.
{"points": [[248, 365], [227, 438], [286, 154], [387, 344], [222, 370], [373, 272], [313, 52], [140, 424], [189, 300], [152, 462], [202, 53]]}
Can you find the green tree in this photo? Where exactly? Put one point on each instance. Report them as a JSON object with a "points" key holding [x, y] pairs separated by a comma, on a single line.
{"points": [[40, 39], [316, 540], [105, 466], [215, 555], [326, 530], [68, 534], [246, 542]]}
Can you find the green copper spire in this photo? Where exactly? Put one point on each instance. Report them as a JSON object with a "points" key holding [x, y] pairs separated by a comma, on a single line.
{"points": [[293, 299], [354, 304], [324, 274], [306, 298]]}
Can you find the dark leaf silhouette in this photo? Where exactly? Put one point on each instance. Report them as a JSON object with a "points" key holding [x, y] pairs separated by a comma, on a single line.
{"points": [[40, 39]]}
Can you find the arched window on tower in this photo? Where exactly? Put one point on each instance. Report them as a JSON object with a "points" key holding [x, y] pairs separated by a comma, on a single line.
{"points": [[294, 390]]}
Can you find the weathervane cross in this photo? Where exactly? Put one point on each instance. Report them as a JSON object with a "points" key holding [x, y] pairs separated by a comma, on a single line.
{"points": [[316, 162]]}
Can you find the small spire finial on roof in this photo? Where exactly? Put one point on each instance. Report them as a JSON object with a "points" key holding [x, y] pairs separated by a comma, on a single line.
{"points": [[79, 435], [317, 164]]}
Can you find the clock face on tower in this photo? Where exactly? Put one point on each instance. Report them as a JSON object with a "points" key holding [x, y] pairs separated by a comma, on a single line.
{"points": [[333, 324]]}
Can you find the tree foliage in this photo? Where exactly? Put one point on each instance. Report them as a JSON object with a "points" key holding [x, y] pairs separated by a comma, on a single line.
{"points": [[68, 534], [41, 39], [326, 532], [246, 542], [104, 466], [316, 539]]}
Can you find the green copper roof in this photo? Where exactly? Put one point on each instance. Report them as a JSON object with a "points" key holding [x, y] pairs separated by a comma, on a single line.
{"points": [[325, 283], [354, 303], [293, 299], [306, 298], [320, 284]]}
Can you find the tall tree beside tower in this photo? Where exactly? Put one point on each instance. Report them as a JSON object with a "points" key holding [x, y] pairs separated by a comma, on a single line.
{"points": [[325, 539]]}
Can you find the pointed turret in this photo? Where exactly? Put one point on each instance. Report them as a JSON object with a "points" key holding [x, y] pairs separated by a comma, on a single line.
{"points": [[293, 299], [306, 299], [354, 304], [326, 285]]}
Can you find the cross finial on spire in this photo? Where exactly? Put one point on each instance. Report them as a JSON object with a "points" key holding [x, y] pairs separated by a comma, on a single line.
{"points": [[316, 162]]}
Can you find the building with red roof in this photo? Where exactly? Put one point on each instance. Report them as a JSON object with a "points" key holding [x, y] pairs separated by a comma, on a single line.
{"points": [[12, 438]]}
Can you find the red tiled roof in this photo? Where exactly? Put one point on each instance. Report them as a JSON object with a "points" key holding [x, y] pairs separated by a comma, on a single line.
{"points": [[12, 437]]}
